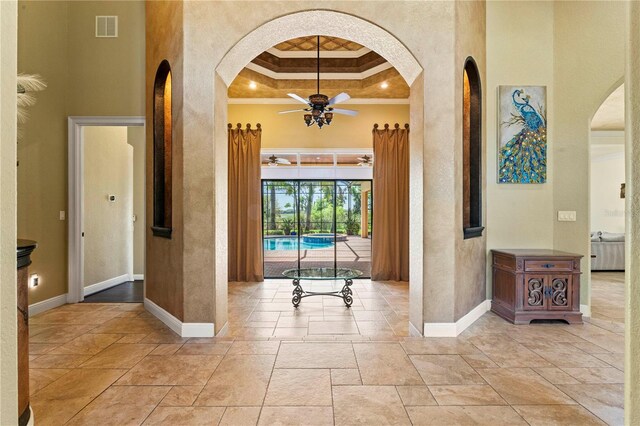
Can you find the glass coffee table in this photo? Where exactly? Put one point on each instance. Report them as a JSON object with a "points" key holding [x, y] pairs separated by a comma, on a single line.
{"points": [[322, 274]]}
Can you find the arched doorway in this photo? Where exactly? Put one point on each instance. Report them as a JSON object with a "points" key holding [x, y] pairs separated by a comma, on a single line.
{"points": [[364, 33], [607, 216]]}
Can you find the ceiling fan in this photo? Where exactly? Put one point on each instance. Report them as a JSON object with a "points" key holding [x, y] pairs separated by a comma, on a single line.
{"points": [[365, 161], [275, 161], [320, 110]]}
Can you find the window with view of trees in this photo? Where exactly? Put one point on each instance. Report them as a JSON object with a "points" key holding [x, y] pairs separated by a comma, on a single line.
{"points": [[293, 209]]}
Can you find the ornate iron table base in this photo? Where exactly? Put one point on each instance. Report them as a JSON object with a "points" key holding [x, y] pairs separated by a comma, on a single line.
{"points": [[345, 294]]}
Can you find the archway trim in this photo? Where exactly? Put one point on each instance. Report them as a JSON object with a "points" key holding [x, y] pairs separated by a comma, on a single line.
{"points": [[333, 23]]}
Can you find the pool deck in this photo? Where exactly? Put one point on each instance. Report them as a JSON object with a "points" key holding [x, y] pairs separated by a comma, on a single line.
{"points": [[353, 253]]}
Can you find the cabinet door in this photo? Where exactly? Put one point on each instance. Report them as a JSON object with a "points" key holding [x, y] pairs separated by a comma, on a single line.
{"points": [[534, 292], [560, 292]]}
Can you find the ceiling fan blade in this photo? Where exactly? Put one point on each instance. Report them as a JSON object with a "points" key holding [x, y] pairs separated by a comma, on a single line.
{"points": [[298, 98], [283, 161], [291, 110], [345, 111], [339, 98]]}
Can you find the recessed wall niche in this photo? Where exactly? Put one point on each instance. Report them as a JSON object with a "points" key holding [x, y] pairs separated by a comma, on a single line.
{"points": [[472, 151], [162, 138]]}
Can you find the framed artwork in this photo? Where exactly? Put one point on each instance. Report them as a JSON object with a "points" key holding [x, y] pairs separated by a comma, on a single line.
{"points": [[522, 134]]}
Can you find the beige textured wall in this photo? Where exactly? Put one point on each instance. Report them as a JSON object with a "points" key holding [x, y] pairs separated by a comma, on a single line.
{"points": [[632, 310], [106, 75], [108, 228], [8, 314], [136, 138], [589, 61], [164, 257], [518, 216], [289, 130], [42, 174], [470, 285], [85, 76], [607, 173]]}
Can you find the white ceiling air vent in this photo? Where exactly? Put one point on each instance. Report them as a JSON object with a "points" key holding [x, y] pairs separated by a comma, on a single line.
{"points": [[106, 26]]}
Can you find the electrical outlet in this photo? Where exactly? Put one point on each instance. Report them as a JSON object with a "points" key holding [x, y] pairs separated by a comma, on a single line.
{"points": [[566, 216]]}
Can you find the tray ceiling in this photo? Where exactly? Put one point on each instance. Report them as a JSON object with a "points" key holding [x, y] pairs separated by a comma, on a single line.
{"points": [[326, 43], [291, 66]]}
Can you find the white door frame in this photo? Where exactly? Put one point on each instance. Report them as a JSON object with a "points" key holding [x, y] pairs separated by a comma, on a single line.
{"points": [[76, 127]]}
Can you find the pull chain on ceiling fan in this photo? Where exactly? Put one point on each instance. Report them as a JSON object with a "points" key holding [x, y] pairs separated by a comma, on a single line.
{"points": [[320, 110]]}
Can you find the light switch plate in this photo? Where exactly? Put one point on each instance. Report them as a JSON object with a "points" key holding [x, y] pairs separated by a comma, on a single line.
{"points": [[566, 216], [63, 215]]}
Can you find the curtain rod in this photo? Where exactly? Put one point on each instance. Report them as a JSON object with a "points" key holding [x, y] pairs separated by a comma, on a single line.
{"points": [[386, 126], [239, 126]]}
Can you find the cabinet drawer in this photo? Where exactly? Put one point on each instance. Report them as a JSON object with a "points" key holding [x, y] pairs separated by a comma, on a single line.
{"points": [[548, 265]]}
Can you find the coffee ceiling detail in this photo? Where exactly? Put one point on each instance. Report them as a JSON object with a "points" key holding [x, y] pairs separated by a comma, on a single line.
{"points": [[345, 66], [326, 43]]}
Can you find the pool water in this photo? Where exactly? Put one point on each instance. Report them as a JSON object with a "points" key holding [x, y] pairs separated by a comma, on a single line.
{"points": [[292, 244]]}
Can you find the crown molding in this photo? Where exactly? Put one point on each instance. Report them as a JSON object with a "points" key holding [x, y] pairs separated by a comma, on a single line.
{"points": [[314, 53], [312, 75], [288, 101]]}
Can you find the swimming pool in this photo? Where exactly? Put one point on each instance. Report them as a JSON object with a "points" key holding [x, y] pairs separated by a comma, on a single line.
{"points": [[292, 244]]}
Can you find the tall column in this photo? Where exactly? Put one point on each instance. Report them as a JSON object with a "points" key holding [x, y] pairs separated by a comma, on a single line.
{"points": [[632, 199]]}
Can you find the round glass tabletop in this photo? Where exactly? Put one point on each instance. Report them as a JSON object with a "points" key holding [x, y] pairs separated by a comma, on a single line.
{"points": [[322, 273]]}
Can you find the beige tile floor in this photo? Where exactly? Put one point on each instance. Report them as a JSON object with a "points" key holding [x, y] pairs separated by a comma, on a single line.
{"points": [[100, 364]]}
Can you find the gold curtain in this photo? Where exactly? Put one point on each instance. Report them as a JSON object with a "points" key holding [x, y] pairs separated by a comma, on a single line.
{"points": [[245, 207], [390, 244]]}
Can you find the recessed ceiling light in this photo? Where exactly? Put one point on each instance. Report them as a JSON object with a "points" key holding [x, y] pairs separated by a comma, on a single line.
{"points": [[384, 85], [252, 85]]}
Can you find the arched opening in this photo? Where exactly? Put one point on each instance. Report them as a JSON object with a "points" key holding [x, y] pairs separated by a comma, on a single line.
{"points": [[162, 142], [372, 37], [607, 212], [472, 151]]}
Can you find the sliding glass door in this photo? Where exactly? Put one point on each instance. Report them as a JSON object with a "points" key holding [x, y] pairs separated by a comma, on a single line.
{"points": [[316, 223]]}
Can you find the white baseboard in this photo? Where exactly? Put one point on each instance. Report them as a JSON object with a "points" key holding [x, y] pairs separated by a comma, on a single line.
{"points": [[45, 305], [586, 310], [184, 329], [453, 329], [137, 277], [111, 282]]}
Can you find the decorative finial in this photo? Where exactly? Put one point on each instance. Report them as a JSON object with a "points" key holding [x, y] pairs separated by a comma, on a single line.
{"points": [[375, 126], [229, 125], [386, 126], [259, 126], [397, 126], [239, 126], [406, 126]]}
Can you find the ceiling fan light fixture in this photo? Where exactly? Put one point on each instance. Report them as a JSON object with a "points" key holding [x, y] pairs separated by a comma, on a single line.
{"points": [[320, 108], [328, 116], [307, 119]]}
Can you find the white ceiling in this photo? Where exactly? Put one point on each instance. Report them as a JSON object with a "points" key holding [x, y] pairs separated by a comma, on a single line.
{"points": [[610, 115]]}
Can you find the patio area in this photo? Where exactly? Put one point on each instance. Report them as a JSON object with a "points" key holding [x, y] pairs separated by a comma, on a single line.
{"points": [[353, 253]]}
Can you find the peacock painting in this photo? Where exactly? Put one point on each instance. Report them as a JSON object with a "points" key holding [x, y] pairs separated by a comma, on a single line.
{"points": [[522, 153]]}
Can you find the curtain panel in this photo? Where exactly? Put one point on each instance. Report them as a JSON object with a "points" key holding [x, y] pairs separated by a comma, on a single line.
{"points": [[390, 243], [245, 207]]}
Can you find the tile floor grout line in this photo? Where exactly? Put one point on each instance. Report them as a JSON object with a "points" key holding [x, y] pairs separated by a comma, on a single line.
{"points": [[275, 360]]}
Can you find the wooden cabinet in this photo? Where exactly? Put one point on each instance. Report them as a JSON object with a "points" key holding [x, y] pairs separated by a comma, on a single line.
{"points": [[536, 284]]}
